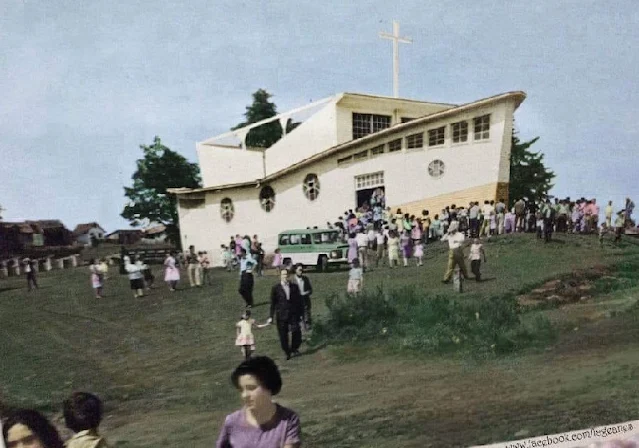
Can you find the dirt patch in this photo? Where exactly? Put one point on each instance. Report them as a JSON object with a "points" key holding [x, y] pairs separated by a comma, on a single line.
{"points": [[576, 287]]}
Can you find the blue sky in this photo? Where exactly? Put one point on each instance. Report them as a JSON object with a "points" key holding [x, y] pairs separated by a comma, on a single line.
{"points": [[85, 83]]}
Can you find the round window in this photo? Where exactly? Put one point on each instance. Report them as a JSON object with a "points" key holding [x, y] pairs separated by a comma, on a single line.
{"points": [[436, 168], [227, 211], [267, 198], [311, 187]]}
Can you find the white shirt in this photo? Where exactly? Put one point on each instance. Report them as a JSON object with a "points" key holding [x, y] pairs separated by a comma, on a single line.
{"points": [[300, 283], [362, 240], [475, 251], [371, 236], [287, 290], [454, 240], [487, 209], [380, 238]]}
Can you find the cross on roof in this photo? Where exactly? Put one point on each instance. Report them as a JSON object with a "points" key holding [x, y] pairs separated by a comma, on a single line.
{"points": [[395, 37]]}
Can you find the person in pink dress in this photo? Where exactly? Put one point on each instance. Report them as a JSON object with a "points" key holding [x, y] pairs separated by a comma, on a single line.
{"points": [[244, 337], [171, 272]]}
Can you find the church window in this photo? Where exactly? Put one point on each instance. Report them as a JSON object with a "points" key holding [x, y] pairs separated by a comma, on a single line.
{"points": [[267, 198], [372, 180], [415, 141], [361, 155], [436, 168], [377, 150], [227, 211], [395, 145], [364, 124], [482, 127], [436, 136], [460, 132], [311, 187]]}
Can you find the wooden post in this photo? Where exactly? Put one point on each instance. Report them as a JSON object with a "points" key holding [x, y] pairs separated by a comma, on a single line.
{"points": [[16, 267], [74, 260], [60, 263], [4, 271], [47, 264]]}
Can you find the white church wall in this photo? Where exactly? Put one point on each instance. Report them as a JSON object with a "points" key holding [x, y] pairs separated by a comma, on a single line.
{"points": [[406, 179], [311, 137], [222, 166], [396, 108]]}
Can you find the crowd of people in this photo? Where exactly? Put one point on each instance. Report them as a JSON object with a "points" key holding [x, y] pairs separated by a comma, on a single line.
{"points": [[260, 423], [375, 236]]}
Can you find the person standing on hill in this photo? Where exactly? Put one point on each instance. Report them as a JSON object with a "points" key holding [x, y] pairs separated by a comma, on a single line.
{"points": [[455, 252], [247, 263], [194, 269], [306, 289], [287, 308], [29, 270], [608, 213], [520, 211]]}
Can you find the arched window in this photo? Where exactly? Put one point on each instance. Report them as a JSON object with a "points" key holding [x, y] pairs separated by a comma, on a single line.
{"points": [[267, 198], [227, 211], [436, 168], [311, 187]]}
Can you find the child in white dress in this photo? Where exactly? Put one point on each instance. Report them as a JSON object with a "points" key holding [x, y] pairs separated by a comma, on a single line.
{"points": [[96, 278], [244, 337], [418, 252], [355, 278]]}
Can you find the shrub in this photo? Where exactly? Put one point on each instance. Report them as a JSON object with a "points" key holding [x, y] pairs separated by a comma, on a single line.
{"points": [[409, 319]]}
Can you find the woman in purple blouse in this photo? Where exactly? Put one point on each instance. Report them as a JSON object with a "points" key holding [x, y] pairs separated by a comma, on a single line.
{"points": [[260, 423]]}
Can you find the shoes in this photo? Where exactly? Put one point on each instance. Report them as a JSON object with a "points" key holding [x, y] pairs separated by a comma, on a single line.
{"points": [[288, 356], [296, 353]]}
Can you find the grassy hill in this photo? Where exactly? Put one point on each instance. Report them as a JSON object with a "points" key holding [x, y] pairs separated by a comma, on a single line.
{"points": [[162, 363]]}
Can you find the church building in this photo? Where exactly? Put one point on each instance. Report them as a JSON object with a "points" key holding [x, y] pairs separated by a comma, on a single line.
{"points": [[422, 155]]}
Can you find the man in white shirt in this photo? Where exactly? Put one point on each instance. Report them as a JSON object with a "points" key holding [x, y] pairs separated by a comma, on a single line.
{"points": [[455, 252], [487, 210], [362, 249], [500, 209]]}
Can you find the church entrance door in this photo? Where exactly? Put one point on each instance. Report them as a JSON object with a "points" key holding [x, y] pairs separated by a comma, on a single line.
{"points": [[370, 190]]}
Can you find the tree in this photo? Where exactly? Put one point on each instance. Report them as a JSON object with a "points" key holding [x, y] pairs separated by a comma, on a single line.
{"points": [[160, 169], [529, 177], [266, 135]]}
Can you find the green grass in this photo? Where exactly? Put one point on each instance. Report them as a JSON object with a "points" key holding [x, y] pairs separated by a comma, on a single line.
{"points": [[162, 363]]}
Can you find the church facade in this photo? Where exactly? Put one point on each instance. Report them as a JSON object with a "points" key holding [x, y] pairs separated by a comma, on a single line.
{"points": [[422, 155]]}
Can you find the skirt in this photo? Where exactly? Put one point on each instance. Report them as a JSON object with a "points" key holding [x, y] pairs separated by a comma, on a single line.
{"points": [[354, 285], [96, 281], [137, 283], [245, 339], [171, 274], [419, 251]]}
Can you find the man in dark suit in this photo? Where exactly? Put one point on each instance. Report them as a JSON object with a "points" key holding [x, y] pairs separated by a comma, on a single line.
{"points": [[306, 289], [286, 306]]}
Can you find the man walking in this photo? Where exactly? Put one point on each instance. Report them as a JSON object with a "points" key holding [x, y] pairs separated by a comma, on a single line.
{"points": [[247, 263], [455, 252], [500, 209], [306, 289], [286, 306], [194, 269]]}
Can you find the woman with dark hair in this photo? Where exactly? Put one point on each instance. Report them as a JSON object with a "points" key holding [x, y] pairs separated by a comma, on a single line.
{"points": [[27, 428], [260, 423]]}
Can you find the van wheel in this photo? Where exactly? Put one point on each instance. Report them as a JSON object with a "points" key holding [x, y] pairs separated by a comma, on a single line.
{"points": [[322, 263]]}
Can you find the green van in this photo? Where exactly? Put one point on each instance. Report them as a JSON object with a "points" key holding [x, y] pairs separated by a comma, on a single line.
{"points": [[312, 247]]}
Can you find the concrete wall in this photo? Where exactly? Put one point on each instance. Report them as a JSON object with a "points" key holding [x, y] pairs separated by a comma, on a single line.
{"points": [[472, 169], [222, 166], [396, 108], [314, 135]]}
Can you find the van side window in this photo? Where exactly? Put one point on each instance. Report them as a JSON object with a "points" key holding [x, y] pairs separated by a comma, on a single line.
{"points": [[306, 238], [295, 239], [284, 240], [318, 238]]}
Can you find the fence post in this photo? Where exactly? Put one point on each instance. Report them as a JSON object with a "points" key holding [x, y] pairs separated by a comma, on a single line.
{"points": [[4, 271]]}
